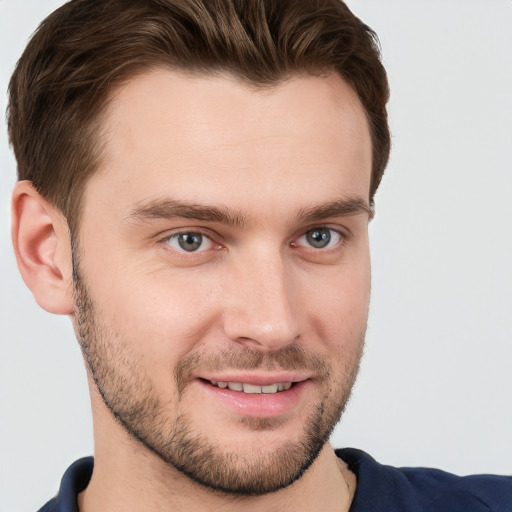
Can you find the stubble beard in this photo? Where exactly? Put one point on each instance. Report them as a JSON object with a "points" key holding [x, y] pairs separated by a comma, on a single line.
{"points": [[128, 391]]}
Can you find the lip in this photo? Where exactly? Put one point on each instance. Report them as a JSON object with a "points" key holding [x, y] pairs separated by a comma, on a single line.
{"points": [[258, 405]]}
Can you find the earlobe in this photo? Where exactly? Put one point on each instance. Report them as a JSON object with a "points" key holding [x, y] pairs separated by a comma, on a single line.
{"points": [[43, 249]]}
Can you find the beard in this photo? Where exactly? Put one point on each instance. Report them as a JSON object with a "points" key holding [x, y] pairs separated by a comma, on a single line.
{"points": [[125, 383]]}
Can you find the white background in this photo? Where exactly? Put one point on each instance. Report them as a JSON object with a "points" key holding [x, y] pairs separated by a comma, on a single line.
{"points": [[435, 387]]}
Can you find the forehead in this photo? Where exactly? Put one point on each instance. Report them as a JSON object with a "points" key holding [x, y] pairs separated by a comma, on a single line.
{"points": [[202, 137]]}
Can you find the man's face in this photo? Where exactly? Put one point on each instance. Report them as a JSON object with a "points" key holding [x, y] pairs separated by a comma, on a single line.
{"points": [[223, 271]]}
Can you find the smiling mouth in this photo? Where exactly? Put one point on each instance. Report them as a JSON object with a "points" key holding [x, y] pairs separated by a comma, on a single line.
{"points": [[251, 389]]}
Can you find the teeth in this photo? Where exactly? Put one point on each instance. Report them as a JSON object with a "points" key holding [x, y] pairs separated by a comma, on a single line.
{"points": [[252, 388]]}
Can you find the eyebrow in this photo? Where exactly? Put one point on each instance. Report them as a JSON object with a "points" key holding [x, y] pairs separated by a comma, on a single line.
{"points": [[344, 207], [170, 209]]}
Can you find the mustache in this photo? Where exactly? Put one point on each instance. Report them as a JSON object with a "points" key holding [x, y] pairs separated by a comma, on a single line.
{"points": [[291, 357]]}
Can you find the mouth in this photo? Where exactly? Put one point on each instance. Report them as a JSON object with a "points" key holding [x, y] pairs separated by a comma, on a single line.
{"points": [[252, 389], [258, 396]]}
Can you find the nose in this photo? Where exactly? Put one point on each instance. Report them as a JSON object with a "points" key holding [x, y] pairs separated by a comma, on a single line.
{"points": [[260, 310]]}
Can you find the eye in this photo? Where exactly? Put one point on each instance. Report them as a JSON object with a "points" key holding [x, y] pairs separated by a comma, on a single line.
{"points": [[189, 242], [320, 238]]}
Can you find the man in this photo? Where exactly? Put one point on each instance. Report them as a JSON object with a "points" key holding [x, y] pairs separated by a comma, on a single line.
{"points": [[196, 181]]}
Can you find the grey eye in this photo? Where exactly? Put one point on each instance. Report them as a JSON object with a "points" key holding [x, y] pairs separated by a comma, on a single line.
{"points": [[190, 241], [319, 238]]}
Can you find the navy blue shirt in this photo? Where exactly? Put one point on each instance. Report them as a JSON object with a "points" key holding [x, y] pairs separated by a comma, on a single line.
{"points": [[379, 488]]}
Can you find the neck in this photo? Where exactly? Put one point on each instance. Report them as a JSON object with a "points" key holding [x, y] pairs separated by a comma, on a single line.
{"points": [[128, 477], [120, 486]]}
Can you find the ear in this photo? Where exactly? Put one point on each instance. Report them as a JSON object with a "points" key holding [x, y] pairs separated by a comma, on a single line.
{"points": [[42, 245]]}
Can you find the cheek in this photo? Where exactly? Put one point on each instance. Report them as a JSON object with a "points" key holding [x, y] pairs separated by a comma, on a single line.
{"points": [[338, 306], [161, 315]]}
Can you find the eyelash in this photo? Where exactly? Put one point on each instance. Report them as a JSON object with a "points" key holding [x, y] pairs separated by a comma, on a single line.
{"points": [[340, 240], [176, 237]]}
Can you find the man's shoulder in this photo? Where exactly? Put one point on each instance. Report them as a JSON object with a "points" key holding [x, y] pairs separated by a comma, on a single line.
{"points": [[51, 506], [73, 482], [382, 487], [379, 488]]}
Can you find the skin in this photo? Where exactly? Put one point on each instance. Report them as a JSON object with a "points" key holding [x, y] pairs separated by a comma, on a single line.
{"points": [[255, 290]]}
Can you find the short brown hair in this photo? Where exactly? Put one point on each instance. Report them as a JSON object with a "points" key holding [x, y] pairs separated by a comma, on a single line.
{"points": [[62, 81]]}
